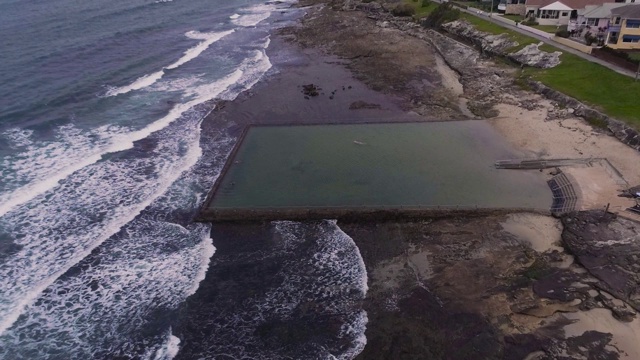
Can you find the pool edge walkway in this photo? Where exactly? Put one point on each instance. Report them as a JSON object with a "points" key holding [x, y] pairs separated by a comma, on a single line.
{"points": [[353, 214]]}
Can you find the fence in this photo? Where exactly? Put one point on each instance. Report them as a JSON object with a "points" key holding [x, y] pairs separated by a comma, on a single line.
{"points": [[549, 163], [542, 163], [614, 173]]}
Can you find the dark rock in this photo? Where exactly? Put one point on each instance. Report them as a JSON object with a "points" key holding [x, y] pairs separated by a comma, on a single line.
{"points": [[556, 285], [608, 247], [356, 105], [311, 90]]}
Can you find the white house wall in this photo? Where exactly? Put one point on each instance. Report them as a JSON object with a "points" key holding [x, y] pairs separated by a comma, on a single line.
{"points": [[561, 20]]}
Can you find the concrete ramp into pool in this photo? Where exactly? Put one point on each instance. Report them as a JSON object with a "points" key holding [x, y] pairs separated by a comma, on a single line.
{"points": [[370, 171]]}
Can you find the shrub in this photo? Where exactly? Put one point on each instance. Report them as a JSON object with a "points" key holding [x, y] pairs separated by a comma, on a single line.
{"points": [[589, 38], [403, 10], [620, 54], [442, 14], [564, 33], [425, 3], [530, 21], [597, 122]]}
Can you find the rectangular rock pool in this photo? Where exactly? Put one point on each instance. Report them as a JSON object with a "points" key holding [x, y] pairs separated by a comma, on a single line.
{"points": [[314, 171]]}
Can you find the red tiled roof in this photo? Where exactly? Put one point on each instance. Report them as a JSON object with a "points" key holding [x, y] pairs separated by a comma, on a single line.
{"points": [[574, 4]]}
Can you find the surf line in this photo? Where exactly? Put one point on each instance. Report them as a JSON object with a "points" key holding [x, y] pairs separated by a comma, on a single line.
{"points": [[188, 55], [223, 86]]}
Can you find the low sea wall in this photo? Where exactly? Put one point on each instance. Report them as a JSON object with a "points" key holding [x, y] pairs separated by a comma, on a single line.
{"points": [[573, 44], [623, 132]]}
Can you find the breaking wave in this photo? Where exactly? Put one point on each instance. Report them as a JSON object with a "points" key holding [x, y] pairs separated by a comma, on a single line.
{"points": [[190, 54], [311, 275], [98, 236]]}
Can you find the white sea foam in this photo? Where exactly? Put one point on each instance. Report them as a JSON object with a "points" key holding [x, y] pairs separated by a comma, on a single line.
{"points": [[171, 350], [253, 69], [60, 228], [354, 330], [135, 274], [74, 234], [234, 16], [40, 168], [194, 52], [138, 84], [19, 137], [207, 252], [117, 142], [254, 15], [189, 54], [181, 85], [168, 350], [321, 265]]}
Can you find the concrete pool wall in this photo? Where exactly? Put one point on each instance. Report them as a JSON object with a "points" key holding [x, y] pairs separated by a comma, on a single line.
{"points": [[370, 171]]}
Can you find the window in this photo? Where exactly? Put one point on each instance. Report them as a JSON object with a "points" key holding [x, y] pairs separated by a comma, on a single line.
{"points": [[631, 38], [616, 21], [565, 14], [549, 14], [634, 24], [592, 21]]}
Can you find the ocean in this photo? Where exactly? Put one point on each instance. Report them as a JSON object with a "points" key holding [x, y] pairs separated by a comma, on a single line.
{"points": [[103, 165]]}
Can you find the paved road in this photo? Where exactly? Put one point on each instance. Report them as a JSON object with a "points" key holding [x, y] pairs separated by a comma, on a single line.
{"points": [[588, 57]]}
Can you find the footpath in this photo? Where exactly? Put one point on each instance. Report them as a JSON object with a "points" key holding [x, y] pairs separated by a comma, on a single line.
{"points": [[489, 17]]}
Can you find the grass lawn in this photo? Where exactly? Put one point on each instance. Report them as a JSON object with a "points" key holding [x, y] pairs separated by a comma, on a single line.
{"points": [[546, 28], [593, 84], [487, 26], [513, 17], [422, 11], [634, 56]]}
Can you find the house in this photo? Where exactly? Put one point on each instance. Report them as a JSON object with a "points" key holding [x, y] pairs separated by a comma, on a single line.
{"points": [[559, 12], [515, 7], [597, 15], [624, 28], [594, 18]]}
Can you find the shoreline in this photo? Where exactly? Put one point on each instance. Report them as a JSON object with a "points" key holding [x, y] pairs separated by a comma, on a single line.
{"points": [[459, 287]]}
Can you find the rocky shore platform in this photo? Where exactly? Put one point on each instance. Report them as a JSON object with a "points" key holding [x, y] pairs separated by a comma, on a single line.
{"points": [[497, 286]]}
